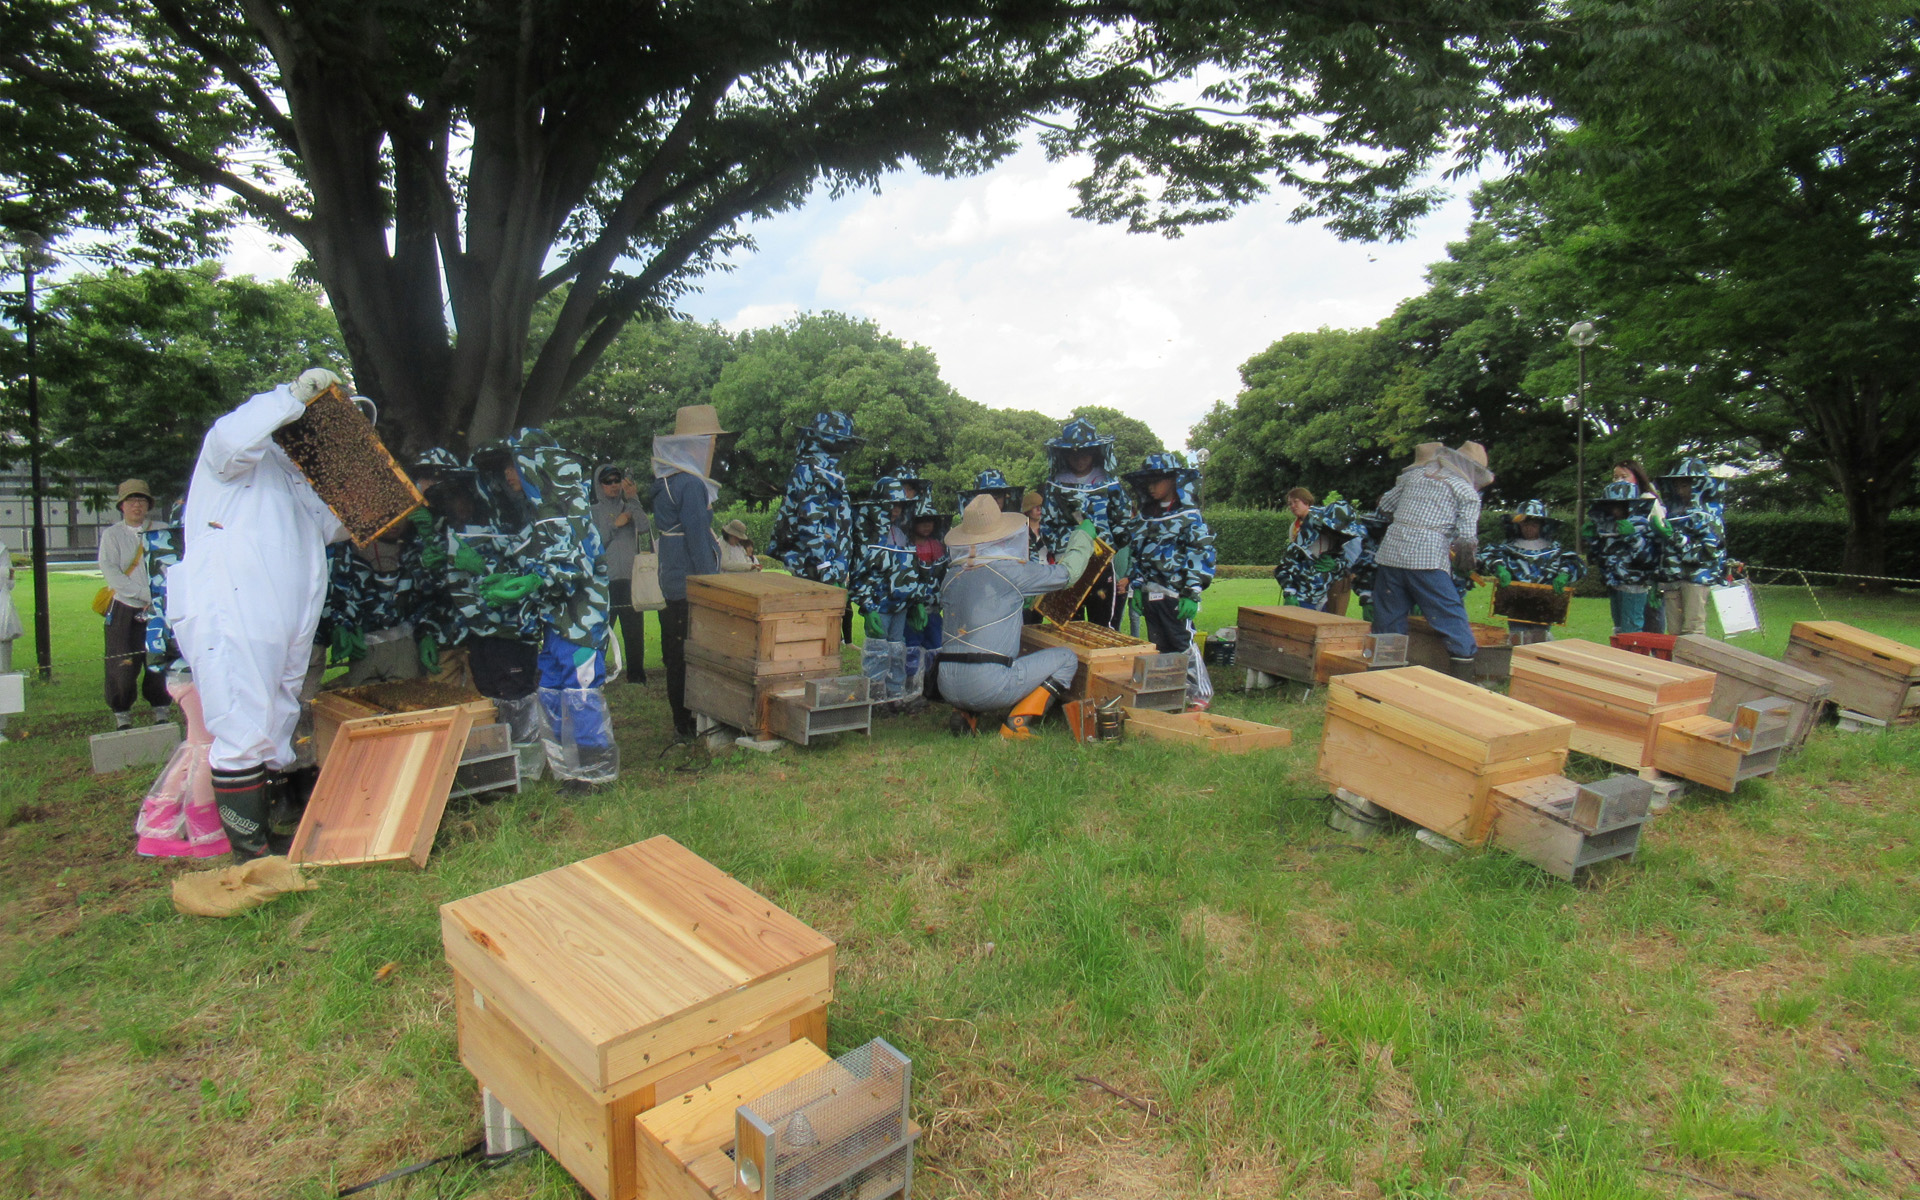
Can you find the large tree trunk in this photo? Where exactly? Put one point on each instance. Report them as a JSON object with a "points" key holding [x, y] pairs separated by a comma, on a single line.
{"points": [[1866, 550]]}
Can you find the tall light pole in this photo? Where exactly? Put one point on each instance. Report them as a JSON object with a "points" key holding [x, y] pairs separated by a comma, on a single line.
{"points": [[1581, 335], [34, 258]]}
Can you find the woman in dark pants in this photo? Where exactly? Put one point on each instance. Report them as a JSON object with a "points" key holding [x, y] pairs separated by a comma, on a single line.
{"points": [[122, 565], [621, 521]]}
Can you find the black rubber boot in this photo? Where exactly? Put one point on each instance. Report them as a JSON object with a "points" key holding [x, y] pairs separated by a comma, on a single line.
{"points": [[1461, 669], [242, 800]]}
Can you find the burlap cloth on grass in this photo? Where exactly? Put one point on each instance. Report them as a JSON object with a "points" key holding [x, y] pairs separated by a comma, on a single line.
{"points": [[230, 890]]}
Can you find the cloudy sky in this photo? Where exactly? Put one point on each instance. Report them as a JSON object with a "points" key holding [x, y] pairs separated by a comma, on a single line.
{"points": [[1026, 307]]}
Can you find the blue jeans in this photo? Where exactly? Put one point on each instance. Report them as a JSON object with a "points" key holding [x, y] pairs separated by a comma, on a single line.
{"points": [[1396, 590], [1629, 611]]}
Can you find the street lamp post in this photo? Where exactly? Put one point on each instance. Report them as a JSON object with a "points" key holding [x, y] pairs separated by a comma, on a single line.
{"points": [[33, 249], [1581, 335]]}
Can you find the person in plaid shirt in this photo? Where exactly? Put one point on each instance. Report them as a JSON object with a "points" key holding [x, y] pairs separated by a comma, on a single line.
{"points": [[1435, 512]]}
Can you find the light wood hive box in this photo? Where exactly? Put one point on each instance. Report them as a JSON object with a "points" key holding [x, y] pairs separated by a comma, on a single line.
{"points": [[1617, 699], [1430, 747], [1106, 654], [1742, 676], [586, 992], [1301, 644], [332, 709], [751, 634], [1871, 674]]}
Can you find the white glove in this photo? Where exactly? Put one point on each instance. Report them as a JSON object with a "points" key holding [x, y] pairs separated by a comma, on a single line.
{"points": [[312, 382]]}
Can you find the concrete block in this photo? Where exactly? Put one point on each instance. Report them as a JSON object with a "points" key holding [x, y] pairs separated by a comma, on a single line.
{"points": [[1257, 680], [767, 746], [1859, 722], [133, 747], [504, 1134]]}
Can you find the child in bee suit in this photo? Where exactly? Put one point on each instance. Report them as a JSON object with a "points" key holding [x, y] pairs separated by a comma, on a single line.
{"points": [[1621, 546], [1529, 552], [813, 535], [546, 490], [1323, 544], [244, 600], [989, 577], [1693, 543], [1173, 563], [886, 586], [1083, 485]]}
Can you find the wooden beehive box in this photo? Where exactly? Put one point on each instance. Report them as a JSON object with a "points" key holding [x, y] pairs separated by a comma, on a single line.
{"points": [[1493, 659], [1871, 674], [1535, 820], [1742, 676], [1703, 749], [753, 634], [585, 993], [1617, 699], [1207, 731], [1430, 747], [1104, 653], [1301, 644], [386, 699]]}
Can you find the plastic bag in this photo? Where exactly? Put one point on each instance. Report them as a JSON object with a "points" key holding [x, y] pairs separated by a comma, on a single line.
{"points": [[179, 817], [876, 663], [578, 734], [526, 725]]}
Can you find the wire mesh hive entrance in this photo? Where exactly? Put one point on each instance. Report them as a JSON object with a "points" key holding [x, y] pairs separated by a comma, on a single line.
{"points": [[336, 448], [837, 1133]]}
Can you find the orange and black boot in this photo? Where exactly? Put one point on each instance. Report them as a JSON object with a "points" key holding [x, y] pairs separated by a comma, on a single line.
{"points": [[963, 723], [1026, 714]]}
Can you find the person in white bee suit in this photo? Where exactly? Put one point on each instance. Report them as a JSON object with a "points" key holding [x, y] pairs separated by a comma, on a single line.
{"points": [[988, 580], [244, 601]]}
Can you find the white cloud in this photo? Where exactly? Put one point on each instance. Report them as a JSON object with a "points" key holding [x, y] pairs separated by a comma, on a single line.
{"points": [[1027, 307]]}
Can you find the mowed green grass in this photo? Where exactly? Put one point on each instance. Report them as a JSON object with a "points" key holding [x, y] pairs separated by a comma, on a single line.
{"points": [[1306, 1017]]}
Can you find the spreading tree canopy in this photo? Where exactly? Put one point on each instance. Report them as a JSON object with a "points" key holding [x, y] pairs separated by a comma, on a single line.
{"points": [[448, 165]]}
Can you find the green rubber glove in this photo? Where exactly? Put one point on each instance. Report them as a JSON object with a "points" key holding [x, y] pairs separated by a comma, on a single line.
{"points": [[467, 559], [429, 655], [1189, 608], [1137, 601], [1588, 531], [1560, 582], [917, 617], [349, 645], [876, 628], [506, 589], [1624, 527], [1503, 575], [1660, 525], [1087, 527], [421, 520], [1326, 564]]}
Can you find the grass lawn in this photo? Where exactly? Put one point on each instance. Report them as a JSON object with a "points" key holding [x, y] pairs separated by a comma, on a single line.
{"points": [[1307, 1017]]}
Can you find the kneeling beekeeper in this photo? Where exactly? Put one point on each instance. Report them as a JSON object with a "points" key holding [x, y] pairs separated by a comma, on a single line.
{"points": [[244, 601], [989, 577]]}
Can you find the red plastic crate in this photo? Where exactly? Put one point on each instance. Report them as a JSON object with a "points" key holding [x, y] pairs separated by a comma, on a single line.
{"points": [[1658, 645]]}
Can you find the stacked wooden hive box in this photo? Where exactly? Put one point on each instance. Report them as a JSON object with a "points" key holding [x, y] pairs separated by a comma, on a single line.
{"points": [[756, 635], [1492, 661], [1113, 665], [1743, 677], [1872, 675], [1648, 714], [1301, 644], [1474, 766], [587, 994]]}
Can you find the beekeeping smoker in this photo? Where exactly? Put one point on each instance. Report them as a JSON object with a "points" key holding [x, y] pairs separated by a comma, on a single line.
{"points": [[244, 600]]}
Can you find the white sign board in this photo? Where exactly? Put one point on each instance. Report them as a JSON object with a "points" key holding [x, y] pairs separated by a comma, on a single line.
{"points": [[1735, 607], [13, 693]]}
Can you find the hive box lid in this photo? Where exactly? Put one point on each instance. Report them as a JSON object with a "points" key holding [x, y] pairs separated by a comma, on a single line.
{"points": [[760, 593], [1609, 675], [1738, 662], [1456, 720], [593, 955], [1848, 641], [1307, 624]]}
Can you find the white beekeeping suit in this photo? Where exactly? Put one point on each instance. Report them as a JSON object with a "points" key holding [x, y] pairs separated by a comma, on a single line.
{"points": [[245, 598]]}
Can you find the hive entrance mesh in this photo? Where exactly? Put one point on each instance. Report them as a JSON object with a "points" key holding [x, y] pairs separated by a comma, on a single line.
{"points": [[837, 1133]]}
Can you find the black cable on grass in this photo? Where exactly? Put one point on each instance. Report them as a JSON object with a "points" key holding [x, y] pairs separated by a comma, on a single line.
{"points": [[477, 1150]]}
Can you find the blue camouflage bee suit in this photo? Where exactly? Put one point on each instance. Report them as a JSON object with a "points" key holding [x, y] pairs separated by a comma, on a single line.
{"points": [[1173, 562], [1622, 546], [1096, 494], [1324, 544], [813, 534], [887, 582], [560, 546], [1515, 558], [1693, 542]]}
